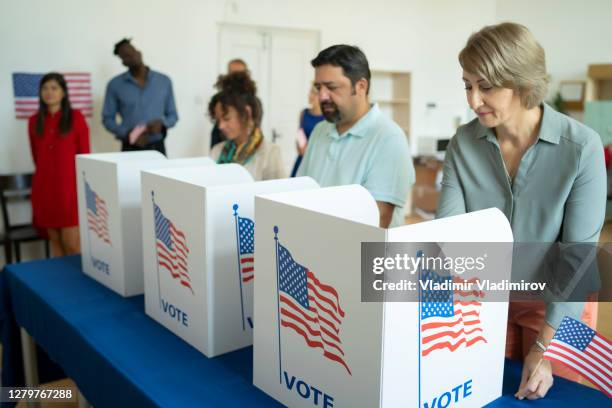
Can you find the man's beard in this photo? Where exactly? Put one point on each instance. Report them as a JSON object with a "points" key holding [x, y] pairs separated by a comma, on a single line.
{"points": [[332, 116]]}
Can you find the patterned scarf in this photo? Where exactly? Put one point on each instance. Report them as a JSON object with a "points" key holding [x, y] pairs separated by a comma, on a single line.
{"points": [[242, 154]]}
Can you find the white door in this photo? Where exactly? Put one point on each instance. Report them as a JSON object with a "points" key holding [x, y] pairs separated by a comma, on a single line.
{"points": [[250, 45], [291, 75], [279, 61]]}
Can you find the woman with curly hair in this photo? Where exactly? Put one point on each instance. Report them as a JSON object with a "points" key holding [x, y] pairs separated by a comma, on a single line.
{"points": [[237, 112]]}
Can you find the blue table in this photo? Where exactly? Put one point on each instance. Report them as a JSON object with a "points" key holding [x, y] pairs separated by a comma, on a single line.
{"points": [[118, 356]]}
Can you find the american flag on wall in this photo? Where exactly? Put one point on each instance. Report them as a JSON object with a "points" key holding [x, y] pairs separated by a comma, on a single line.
{"points": [[97, 214], [25, 91], [583, 350], [246, 244], [172, 249], [449, 319], [310, 308]]}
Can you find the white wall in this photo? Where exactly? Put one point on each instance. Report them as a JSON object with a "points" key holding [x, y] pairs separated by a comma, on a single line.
{"points": [[39, 36], [180, 39], [574, 34]]}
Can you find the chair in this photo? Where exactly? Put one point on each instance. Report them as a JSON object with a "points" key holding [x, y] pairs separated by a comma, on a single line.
{"points": [[15, 189]]}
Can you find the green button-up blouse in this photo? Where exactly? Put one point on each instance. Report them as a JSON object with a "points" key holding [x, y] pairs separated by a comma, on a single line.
{"points": [[557, 195]]}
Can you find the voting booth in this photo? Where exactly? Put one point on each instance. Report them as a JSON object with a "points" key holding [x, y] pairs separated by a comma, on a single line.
{"points": [[198, 247], [316, 343], [108, 188]]}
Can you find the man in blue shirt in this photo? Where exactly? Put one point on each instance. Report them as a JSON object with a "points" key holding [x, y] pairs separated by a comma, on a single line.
{"points": [[357, 144], [144, 100]]}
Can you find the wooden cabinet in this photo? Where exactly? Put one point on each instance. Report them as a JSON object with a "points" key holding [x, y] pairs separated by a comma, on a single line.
{"points": [[599, 83], [391, 90], [598, 96]]}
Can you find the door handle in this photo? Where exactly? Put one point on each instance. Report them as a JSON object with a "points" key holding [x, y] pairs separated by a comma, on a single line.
{"points": [[275, 135]]}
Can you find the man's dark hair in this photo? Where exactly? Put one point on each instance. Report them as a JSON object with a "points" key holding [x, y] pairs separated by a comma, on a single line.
{"points": [[121, 44], [350, 58]]}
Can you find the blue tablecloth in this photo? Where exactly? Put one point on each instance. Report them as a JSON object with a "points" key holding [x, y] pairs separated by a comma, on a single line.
{"points": [[118, 356]]}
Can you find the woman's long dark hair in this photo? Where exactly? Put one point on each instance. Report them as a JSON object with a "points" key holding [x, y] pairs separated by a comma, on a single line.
{"points": [[65, 123]]}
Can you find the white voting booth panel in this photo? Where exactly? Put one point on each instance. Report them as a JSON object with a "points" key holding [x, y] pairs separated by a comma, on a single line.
{"points": [[317, 344], [466, 376], [198, 245], [108, 186]]}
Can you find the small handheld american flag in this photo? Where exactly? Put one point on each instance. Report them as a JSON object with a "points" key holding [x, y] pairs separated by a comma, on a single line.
{"points": [[310, 307], [25, 91], [583, 350], [97, 214], [172, 249]]}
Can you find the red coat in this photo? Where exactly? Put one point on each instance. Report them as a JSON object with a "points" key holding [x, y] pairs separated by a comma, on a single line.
{"points": [[54, 194]]}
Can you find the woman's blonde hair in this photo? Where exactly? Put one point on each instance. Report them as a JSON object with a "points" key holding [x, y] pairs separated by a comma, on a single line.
{"points": [[507, 55]]}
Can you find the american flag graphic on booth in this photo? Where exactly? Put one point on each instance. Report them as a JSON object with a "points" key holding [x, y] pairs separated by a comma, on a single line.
{"points": [[449, 319], [310, 308], [97, 214], [25, 91], [583, 350], [172, 249], [246, 246]]}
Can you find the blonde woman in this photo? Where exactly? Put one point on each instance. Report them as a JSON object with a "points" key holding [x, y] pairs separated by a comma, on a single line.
{"points": [[544, 170]]}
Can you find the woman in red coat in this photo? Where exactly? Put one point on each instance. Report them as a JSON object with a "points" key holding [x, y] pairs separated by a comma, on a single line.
{"points": [[57, 133]]}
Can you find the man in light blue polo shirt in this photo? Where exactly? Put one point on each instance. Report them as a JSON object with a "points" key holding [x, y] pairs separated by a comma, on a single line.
{"points": [[357, 144]]}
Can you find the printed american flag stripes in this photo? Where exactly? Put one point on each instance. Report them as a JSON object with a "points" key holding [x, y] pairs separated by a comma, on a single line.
{"points": [[449, 319], [246, 243], [310, 308], [583, 350], [172, 249], [97, 214], [25, 91]]}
